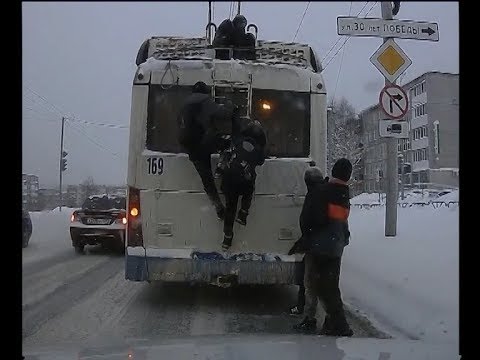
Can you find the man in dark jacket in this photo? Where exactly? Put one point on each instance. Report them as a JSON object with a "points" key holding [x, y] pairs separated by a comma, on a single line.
{"points": [[199, 122], [313, 177], [324, 219], [239, 175]]}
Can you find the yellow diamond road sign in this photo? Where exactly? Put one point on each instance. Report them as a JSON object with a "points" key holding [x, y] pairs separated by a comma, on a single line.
{"points": [[390, 60]]}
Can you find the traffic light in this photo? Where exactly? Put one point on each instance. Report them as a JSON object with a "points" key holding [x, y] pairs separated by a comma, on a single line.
{"points": [[64, 161]]}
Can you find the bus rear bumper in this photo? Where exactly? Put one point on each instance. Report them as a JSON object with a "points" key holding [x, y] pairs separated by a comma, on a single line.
{"points": [[214, 268]]}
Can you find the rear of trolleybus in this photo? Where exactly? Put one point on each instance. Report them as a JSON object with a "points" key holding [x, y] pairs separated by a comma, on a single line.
{"points": [[172, 231]]}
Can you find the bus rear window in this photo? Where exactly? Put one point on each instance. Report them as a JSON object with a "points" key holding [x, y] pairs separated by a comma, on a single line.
{"points": [[285, 116], [164, 106]]}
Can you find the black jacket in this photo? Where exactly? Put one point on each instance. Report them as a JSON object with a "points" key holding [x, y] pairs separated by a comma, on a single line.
{"points": [[247, 152], [201, 121], [324, 220]]}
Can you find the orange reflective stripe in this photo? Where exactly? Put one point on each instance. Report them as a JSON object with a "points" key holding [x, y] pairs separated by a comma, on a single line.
{"points": [[337, 212]]}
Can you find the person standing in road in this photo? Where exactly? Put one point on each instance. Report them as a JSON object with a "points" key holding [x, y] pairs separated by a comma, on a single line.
{"points": [[313, 176], [324, 221]]}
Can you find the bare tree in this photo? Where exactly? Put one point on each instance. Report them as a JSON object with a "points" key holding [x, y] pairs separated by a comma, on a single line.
{"points": [[344, 137], [87, 188]]}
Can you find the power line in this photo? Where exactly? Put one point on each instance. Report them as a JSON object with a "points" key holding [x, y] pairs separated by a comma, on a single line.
{"points": [[39, 116], [340, 38], [42, 104], [348, 38], [61, 112], [368, 12], [113, 126], [78, 129], [341, 62], [301, 21]]}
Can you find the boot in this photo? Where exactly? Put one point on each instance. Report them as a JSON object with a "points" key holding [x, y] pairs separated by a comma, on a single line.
{"points": [[227, 241], [296, 310], [242, 217], [307, 326], [330, 328]]}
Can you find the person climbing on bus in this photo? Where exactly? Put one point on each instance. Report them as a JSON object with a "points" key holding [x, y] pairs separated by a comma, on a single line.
{"points": [[202, 123], [239, 175]]}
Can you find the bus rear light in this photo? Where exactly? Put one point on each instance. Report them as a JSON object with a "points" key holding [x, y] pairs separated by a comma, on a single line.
{"points": [[134, 220]]}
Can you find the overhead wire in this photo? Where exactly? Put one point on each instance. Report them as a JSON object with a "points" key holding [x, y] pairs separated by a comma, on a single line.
{"points": [[301, 21], [77, 128], [346, 40], [340, 38], [341, 62]]}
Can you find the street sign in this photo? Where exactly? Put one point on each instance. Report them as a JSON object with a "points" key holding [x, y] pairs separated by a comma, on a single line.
{"points": [[400, 29], [394, 101], [390, 60], [393, 129]]}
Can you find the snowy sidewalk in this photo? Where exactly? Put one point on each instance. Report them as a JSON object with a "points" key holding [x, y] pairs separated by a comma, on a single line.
{"points": [[408, 283]]}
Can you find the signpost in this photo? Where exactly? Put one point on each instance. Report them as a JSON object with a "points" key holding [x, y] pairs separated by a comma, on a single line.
{"points": [[393, 101], [390, 60], [393, 129], [400, 29]]}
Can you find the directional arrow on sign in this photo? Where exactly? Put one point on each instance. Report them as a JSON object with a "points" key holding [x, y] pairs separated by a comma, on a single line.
{"points": [[428, 31], [400, 29]]}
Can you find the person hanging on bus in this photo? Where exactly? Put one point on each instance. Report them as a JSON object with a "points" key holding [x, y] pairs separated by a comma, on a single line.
{"points": [[313, 177], [324, 219], [239, 175], [199, 120]]}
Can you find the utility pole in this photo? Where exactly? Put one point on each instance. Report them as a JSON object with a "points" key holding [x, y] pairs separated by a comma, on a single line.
{"points": [[238, 12], [61, 162], [209, 21], [402, 188], [392, 161]]}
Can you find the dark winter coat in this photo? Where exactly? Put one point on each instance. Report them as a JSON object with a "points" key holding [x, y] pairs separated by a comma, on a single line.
{"points": [[324, 220], [247, 152], [201, 123]]}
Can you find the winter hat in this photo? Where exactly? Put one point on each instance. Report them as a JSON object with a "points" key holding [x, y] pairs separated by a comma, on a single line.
{"points": [[342, 169], [201, 88], [313, 175]]}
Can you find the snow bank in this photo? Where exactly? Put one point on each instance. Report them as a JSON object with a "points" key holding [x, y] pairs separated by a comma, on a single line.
{"points": [[366, 198], [50, 235], [453, 196], [408, 283]]}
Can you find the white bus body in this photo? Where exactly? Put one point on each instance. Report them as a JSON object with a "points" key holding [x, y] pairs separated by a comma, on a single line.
{"points": [[172, 232]]}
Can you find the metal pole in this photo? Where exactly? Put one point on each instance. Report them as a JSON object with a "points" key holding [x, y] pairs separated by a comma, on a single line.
{"points": [[403, 177], [238, 12], [392, 162], [209, 21], [60, 162]]}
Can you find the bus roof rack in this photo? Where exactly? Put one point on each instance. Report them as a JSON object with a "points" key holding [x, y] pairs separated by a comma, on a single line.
{"points": [[269, 52]]}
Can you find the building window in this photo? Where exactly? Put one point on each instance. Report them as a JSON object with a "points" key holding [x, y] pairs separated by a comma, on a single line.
{"points": [[436, 133], [419, 110], [418, 89]]}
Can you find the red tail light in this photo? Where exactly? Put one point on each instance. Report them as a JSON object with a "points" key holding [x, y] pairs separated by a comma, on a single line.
{"points": [[134, 219], [75, 217]]}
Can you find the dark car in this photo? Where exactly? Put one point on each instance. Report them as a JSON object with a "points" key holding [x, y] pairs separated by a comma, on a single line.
{"points": [[26, 228], [102, 220]]}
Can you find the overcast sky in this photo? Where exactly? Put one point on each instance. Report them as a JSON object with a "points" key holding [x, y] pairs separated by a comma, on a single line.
{"points": [[79, 61]]}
